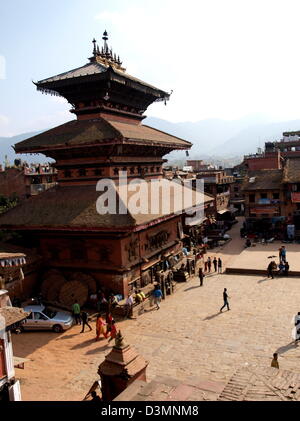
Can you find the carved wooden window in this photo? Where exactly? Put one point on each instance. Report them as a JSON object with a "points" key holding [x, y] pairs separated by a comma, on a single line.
{"points": [[78, 252], [98, 171], [54, 254], [116, 171], [67, 173], [131, 170], [157, 169], [82, 172]]}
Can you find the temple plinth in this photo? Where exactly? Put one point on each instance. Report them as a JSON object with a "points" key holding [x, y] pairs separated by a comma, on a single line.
{"points": [[122, 366]]}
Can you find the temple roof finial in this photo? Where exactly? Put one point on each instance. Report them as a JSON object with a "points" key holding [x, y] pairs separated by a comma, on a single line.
{"points": [[105, 38], [105, 55], [94, 49]]}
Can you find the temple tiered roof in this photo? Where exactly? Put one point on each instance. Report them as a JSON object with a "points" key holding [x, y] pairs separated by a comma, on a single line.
{"points": [[99, 132]]}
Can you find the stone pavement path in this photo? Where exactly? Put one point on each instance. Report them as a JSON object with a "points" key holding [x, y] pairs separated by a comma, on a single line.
{"points": [[187, 338]]}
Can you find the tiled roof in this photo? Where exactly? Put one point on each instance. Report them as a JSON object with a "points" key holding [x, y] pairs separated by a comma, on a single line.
{"points": [[147, 133], [12, 315], [88, 69], [97, 131], [75, 207], [263, 180], [291, 172]]}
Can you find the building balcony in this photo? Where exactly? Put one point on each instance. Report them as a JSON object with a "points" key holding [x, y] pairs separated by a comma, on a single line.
{"points": [[40, 188]]}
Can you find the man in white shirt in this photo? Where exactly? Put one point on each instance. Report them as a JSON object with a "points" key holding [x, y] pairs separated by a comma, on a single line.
{"points": [[296, 328], [129, 304]]}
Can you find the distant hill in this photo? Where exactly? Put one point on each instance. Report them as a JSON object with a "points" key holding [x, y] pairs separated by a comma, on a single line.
{"points": [[6, 148], [221, 142]]}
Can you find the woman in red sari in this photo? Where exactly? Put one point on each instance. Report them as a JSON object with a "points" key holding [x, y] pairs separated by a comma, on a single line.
{"points": [[100, 327]]}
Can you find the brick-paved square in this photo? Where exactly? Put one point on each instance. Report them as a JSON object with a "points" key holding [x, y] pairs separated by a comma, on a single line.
{"points": [[187, 338]]}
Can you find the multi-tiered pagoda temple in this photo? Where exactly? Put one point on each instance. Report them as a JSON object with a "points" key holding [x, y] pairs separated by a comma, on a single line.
{"points": [[118, 250]]}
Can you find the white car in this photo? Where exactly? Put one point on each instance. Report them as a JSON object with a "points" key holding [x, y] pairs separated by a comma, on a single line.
{"points": [[45, 318]]}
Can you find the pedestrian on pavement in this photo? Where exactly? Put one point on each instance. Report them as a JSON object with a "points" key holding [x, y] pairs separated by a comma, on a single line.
{"points": [[113, 332], [283, 254], [100, 328], [85, 318], [219, 265], [129, 306], [225, 298], [296, 332], [274, 362], [157, 297], [286, 268], [108, 319], [270, 270], [208, 264], [76, 312], [215, 262], [205, 266], [296, 319], [281, 268], [201, 276], [95, 397], [280, 254]]}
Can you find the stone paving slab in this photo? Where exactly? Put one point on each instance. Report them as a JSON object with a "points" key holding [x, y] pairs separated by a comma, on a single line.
{"points": [[255, 260]]}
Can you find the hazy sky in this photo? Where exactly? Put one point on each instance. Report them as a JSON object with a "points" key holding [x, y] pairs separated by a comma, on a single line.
{"points": [[222, 58]]}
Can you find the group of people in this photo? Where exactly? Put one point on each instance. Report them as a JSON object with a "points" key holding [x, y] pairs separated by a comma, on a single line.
{"points": [[217, 263], [105, 327], [283, 266]]}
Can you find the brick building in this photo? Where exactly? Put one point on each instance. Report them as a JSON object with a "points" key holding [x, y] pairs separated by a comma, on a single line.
{"points": [[24, 181], [119, 250]]}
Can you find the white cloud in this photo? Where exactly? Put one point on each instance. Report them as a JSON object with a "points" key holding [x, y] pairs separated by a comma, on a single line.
{"points": [[4, 126]]}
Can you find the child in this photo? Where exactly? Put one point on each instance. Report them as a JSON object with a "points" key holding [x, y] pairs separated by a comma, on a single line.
{"points": [[113, 331]]}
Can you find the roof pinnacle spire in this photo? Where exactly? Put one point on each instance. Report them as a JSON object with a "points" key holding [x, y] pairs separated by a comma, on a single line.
{"points": [[105, 55], [94, 49], [105, 38]]}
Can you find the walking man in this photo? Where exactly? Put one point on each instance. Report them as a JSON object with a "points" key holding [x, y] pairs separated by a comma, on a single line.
{"points": [[208, 264], [76, 312], [215, 262], [274, 362], [296, 333], [157, 297], [280, 254], [85, 318], [129, 306], [201, 276], [219, 265], [225, 298], [283, 254]]}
